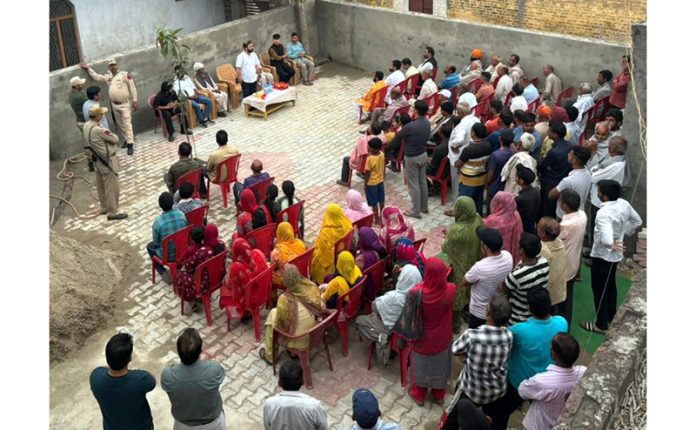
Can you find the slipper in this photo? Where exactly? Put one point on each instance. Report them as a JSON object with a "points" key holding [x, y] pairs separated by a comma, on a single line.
{"points": [[591, 327], [262, 354]]}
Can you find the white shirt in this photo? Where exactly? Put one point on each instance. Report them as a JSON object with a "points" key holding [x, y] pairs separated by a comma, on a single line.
{"points": [[503, 88], [396, 77], [516, 74], [187, 86], [460, 137], [572, 233], [469, 99], [579, 180], [428, 89], [614, 171], [426, 65], [614, 220], [247, 64], [601, 154], [548, 392], [583, 104], [485, 277], [293, 410], [518, 103]]}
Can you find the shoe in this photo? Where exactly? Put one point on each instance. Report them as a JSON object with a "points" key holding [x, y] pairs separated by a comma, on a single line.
{"points": [[203, 125], [222, 113], [340, 182], [425, 212], [125, 145], [103, 212], [449, 212], [130, 149], [167, 277], [187, 131], [362, 131], [211, 122], [412, 215], [392, 167], [116, 217], [171, 138], [308, 83], [262, 354]]}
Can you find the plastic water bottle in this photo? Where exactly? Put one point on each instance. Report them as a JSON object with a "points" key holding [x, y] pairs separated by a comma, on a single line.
{"points": [[267, 89]]}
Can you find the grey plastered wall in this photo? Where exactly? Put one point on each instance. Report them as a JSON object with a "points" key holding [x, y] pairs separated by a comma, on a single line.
{"points": [[213, 46], [117, 26], [370, 38], [636, 107]]}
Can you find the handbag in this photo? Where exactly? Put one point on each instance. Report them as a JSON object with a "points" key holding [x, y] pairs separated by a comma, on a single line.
{"points": [[410, 322]]}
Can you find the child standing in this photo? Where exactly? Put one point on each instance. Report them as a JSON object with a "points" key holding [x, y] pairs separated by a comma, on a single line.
{"points": [[374, 178]]}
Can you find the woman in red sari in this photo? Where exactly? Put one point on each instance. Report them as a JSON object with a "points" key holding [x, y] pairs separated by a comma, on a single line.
{"points": [[211, 239], [505, 218], [247, 263], [431, 363], [251, 215], [193, 256]]}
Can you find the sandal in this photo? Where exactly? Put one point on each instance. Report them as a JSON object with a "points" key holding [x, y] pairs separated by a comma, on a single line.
{"points": [[591, 327], [262, 354]]}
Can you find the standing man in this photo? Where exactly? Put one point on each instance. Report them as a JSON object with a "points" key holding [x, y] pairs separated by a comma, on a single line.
{"points": [[553, 167], [77, 99], [415, 136], [248, 68], [297, 54], [193, 386], [103, 145], [619, 87], [579, 179], [471, 166], [204, 82], [292, 409], [573, 226], [279, 60], [530, 272], [121, 91], [615, 219], [93, 98], [120, 392], [548, 230], [460, 138], [553, 86]]}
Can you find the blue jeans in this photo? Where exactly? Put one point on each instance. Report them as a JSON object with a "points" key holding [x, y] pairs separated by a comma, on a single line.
{"points": [[196, 101], [476, 193]]}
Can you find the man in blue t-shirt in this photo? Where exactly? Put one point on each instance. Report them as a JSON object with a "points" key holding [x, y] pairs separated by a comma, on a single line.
{"points": [[120, 392], [530, 353]]}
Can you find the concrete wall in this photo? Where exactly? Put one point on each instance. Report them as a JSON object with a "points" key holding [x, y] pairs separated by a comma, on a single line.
{"points": [[635, 109], [370, 38], [596, 401], [107, 27], [213, 46]]}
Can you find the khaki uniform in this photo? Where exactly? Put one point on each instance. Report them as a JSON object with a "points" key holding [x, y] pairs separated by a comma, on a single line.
{"points": [[121, 91], [104, 143]]}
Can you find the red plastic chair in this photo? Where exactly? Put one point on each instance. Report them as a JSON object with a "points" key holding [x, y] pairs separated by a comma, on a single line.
{"points": [[348, 311], [474, 85], [363, 164], [419, 244], [535, 81], [404, 353], [293, 213], [412, 82], [378, 101], [197, 216], [302, 262], [405, 109], [232, 167], [257, 293], [262, 239], [194, 178], [533, 106], [455, 94], [343, 244], [596, 114], [158, 115], [399, 160], [365, 221], [441, 179], [375, 274], [495, 82], [180, 239], [481, 109], [432, 102], [508, 98], [260, 188], [317, 336], [434, 73], [567, 93], [216, 273]]}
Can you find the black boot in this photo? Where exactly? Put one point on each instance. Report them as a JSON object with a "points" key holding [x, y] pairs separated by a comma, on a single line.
{"points": [[130, 149], [125, 145]]}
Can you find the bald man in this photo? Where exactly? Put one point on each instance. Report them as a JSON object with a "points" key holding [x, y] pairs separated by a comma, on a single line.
{"points": [[468, 76], [257, 175], [583, 104], [598, 144]]}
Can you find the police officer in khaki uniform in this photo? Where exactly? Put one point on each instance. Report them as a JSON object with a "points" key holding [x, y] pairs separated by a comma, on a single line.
{"points": [[103, 144], [121, 91]]}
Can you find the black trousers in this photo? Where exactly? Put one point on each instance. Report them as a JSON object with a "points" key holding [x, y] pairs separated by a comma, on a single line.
{"points": [[248, 88], [604, 291], [285, 71], [167, 115], [458, 414], [475, 322], [345, 169], [500, 410], [548, 207], [565, 308]]}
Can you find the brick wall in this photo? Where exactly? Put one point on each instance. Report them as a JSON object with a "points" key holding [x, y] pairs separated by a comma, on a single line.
{"points": [[597, 19]]}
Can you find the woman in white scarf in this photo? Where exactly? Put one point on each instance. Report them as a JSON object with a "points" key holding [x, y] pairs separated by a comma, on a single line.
{"points": [[522, 156], [376, 326]]}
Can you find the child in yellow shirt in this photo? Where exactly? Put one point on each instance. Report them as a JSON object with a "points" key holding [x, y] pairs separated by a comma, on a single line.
{"points": [[374, 178]]}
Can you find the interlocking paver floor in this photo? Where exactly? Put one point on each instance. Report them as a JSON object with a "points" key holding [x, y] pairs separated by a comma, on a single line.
{"points": [[305, 144]]}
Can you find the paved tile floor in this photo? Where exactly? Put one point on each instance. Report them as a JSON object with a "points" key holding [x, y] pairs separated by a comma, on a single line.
{"points": [[304, 143]]}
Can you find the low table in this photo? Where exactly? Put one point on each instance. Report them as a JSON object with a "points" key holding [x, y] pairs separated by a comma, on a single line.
{"points": [[255, 106]]}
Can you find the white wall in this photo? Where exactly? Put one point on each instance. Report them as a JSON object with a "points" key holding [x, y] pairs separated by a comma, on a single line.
{"points": [[108, 27]]}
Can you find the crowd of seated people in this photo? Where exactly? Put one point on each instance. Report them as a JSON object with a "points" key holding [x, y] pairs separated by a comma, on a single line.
{"points": [[526, 186]]}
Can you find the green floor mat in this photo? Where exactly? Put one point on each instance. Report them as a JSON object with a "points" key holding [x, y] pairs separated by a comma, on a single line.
{"points": [[583, 309]]}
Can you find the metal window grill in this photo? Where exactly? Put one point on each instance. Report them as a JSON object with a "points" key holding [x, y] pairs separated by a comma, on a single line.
{"points": [[63, 35]]}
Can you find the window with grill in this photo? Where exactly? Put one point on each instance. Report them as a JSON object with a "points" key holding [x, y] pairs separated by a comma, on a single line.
{"points": [[63, 35]]}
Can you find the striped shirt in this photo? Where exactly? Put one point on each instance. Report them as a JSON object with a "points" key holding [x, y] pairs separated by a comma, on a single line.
{"points": [[521, 280], [475, 158]]}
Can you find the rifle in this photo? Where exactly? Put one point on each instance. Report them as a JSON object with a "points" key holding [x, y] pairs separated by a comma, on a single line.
{"points": [[95, 154]]}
